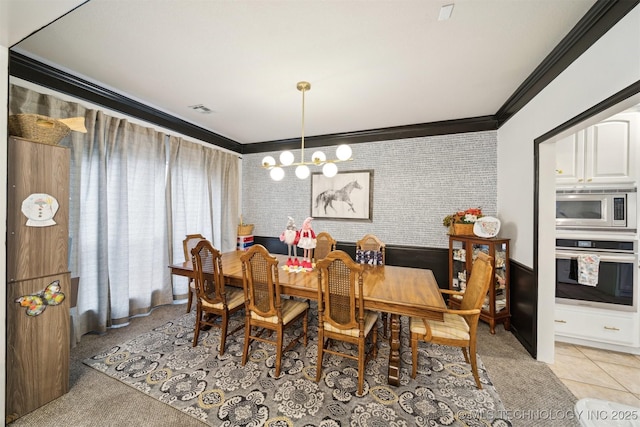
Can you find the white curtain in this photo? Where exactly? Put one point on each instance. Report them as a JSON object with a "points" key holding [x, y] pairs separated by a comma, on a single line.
{"points": [[204, 190], [127, 215]]}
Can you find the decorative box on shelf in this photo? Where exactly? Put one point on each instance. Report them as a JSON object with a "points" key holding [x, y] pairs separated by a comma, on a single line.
{"points": [[244, 242], [461, 230]]}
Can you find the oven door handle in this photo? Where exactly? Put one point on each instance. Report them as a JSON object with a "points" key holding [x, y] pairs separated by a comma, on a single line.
{"points": [[604, 257]]}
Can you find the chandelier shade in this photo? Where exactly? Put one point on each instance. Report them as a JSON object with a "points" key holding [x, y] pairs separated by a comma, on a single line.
{"points": [[318, 158]]}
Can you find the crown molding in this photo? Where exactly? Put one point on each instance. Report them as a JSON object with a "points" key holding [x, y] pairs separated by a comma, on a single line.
{"points": [[447, 127], [29, 69], [602, 16]]}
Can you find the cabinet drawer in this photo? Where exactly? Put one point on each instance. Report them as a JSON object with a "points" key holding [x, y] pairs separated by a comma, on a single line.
{"points": [[597, 325]]}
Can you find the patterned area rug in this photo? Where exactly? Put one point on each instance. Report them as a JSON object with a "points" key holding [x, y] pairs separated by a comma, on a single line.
{"points": [[221, 392]]}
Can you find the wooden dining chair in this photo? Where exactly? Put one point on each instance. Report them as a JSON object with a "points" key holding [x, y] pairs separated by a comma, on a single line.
{"points": [[459, 326], [190, 241], [372, 244], [341, 312], [324, 244], [213, 300], [265, 309]]}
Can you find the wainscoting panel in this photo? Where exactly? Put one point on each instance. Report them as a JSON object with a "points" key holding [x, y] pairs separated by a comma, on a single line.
{"points": [[524, 306]]}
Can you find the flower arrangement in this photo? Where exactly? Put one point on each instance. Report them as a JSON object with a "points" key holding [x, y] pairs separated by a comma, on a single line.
{"points": [[466, 218]]}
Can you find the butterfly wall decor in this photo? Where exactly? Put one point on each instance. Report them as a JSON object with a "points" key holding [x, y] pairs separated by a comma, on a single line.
{"points": [[37, 303]]}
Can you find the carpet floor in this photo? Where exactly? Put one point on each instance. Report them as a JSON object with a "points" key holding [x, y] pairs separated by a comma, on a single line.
{"points": [[218, 390], [525, 385]]}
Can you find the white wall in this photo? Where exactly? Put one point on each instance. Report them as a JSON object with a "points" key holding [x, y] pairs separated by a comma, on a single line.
{"points": [[609, 66]]}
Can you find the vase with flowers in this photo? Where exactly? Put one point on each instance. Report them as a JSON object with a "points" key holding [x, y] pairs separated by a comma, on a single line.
{"points": [[461, 222]]}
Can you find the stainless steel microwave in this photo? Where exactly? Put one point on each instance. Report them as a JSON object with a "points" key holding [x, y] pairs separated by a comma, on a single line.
{"points": [[597, 210]]}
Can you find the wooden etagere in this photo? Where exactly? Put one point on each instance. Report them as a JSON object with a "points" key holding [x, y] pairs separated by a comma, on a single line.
{"points": [[462, 253]]}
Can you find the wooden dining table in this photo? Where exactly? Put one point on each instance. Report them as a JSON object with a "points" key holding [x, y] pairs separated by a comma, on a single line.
{"points": [[399, 291]]}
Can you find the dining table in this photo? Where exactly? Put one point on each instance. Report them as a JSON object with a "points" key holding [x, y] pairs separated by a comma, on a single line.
{"points": [[399, 291]]}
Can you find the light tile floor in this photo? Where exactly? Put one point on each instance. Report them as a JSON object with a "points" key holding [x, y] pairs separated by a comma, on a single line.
{"points": [[599, 374]]}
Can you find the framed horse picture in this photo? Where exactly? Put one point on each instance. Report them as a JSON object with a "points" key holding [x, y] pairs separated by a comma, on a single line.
{"points": [[346, 196]]}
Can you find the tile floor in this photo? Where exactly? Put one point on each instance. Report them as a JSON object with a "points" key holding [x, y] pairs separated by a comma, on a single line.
{"points": [[596, 373]]}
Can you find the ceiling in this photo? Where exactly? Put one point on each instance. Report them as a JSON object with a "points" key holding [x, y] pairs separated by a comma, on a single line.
{"points": [[371, 64]]}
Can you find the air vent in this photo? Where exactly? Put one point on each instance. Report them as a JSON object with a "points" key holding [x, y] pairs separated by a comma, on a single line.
{"points": [[201, 109]]}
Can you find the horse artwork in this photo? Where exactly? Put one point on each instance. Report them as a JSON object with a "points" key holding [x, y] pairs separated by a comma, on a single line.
{"points": [[326, 198], [346, 195]]}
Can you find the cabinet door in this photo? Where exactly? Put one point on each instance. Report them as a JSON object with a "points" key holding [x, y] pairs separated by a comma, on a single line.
{"points": [[570, 160], [458, 265], [611, 150], [37, 347]]}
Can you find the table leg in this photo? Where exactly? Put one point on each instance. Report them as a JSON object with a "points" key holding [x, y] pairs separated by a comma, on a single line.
{"points": [[394, 352]]}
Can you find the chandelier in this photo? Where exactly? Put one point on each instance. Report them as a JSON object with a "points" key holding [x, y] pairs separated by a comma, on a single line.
{"points": [[329, 167]]}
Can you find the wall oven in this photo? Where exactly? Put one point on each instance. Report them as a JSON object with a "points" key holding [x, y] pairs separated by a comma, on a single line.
{"points": [[598, 210], [615, 284]]}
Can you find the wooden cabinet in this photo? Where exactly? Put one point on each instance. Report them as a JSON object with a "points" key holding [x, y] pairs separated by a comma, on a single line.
{"points": [[597, 326], [37, 352], [603, 155], [463, 251]]}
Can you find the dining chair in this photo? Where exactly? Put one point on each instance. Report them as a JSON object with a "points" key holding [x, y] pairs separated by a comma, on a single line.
{"points": [[265, 309], [458, 327], [213, 300], [190, 241], [325, 243], [341, 311], [371, 243], [371, 250]]}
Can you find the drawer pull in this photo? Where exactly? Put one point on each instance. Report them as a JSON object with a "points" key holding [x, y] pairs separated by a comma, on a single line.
{"points": [[611, 328], [560, 321]]}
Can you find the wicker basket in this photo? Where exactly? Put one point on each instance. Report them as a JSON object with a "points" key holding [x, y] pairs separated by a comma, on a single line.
{"points": [[461, 230], [37, 128], [245, 229]]}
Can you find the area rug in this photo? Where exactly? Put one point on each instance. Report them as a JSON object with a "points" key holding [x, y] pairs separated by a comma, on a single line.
{"points": [[219, 391]]}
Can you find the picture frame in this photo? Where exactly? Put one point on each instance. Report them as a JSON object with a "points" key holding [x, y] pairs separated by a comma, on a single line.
{"points": [[346, 196]]}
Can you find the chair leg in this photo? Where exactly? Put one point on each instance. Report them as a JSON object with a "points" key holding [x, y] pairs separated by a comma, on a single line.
{"points": [[474, 364], [361, 357], [414, 354], [224, 324], [305, 325], [465, 354], [320, 353], [384, 324], [247, 336], [196, 333], [375, 343], [279, 352], [190, 298]]}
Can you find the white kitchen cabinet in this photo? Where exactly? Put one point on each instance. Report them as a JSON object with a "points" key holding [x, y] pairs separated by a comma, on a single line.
{"points": [[597, 327], [603, 155]]}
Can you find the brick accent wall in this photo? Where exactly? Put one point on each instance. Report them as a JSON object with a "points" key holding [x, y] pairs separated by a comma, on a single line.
{"points": [[416, 182]]}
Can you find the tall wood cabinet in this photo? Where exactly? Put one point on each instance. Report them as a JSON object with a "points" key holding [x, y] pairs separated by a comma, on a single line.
{"points": [[37, 242], [463, 251]]}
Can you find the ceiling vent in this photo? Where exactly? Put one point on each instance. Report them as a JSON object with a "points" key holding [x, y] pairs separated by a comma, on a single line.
{"points": [[201, 109]]}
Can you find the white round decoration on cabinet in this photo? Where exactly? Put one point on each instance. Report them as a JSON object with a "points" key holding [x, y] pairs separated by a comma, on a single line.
{"points": [[486, 227]]}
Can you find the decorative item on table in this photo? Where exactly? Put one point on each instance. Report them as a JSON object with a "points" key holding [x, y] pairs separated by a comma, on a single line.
{"points": [[43, 129], [244, 229], [288, 236], [306, 239], [244, 243], [461, 223], [369, 257], [486, 227]]}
